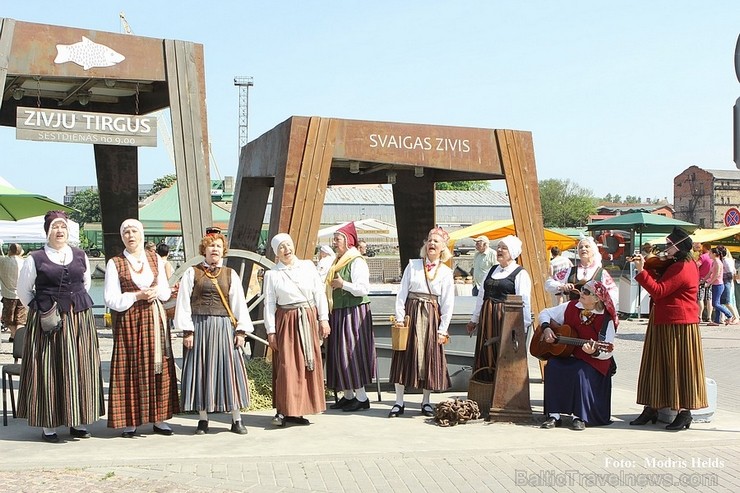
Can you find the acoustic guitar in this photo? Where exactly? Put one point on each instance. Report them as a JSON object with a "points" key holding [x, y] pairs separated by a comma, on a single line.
{"points": [[564, 344]]}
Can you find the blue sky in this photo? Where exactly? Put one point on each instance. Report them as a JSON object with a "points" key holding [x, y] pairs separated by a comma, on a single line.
{"points": [[620, 97]]}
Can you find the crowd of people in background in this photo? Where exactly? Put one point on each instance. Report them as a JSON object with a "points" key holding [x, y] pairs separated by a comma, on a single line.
{"points": [[320, 313]]}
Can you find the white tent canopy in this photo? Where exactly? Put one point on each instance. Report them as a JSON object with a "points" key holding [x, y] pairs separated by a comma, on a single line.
{"points": [[31, 230], [370, 230]]}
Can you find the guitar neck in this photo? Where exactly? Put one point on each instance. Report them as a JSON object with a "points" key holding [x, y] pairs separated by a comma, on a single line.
{"points": [[572, 341]]}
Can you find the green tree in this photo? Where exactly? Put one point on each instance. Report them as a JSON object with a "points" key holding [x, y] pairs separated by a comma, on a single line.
{"points": [[161, 183], [608, 198], [462, 185], [632, 199], [565, 204], [87, 204]]}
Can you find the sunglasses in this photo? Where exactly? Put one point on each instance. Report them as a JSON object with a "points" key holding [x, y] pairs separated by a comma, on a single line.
{"points": [[213, 230], [586, 292]]}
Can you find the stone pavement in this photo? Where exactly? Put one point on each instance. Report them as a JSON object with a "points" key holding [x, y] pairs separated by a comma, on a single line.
{"points": [[368, 452]]}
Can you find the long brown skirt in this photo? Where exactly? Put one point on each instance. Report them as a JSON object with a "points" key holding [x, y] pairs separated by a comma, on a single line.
{"points": [[296, 391], [489, 326], [405, 368], [672, 367]]}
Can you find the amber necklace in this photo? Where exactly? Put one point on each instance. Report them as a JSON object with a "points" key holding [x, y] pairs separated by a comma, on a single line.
{"points": [[435, 268], [133, 268]]}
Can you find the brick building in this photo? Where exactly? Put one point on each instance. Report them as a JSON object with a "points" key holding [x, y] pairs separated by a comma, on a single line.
{"points": [[703, 196]]}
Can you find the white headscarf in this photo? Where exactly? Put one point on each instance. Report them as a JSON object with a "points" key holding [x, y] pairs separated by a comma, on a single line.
{"points": [[278, 239], [514, 245], [132, 223]]}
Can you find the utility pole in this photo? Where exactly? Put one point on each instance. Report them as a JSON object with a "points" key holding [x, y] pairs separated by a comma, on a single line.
{"points": [[243, 83]]}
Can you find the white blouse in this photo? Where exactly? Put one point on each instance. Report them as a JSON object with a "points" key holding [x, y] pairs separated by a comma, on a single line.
{"points": [[237, 302], [557, 314], [27, 278], [443, 285], [282, 288], [115, 299], [522, 287]]}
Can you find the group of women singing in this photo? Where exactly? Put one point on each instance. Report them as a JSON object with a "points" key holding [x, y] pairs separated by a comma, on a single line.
{"points": [[61, 370]]}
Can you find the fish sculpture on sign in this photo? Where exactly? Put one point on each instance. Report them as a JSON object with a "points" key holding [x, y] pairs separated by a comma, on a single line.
{"points": [[88, 54]]}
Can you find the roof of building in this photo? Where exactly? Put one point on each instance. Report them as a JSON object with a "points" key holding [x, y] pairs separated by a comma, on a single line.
{"points": [[725, 174], [351, 195]]}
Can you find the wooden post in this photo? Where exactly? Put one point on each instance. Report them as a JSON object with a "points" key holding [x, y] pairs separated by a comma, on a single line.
{"points": [[511, 388]]}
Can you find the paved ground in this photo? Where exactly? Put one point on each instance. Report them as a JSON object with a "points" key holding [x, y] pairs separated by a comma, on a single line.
{"points": [[369, 452]]}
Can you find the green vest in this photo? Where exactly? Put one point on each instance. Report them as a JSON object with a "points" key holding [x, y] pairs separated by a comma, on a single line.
{"points": [[345, 299]]}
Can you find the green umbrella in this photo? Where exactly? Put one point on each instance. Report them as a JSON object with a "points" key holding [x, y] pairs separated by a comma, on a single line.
{"points": [[16, 204]]}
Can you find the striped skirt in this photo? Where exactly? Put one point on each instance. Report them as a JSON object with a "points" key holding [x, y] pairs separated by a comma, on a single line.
{"points": [[61, 382], [489, 325], [137, 394], [296, 390], [672, 367], [214, 375], [350, 348], [427, 370]]}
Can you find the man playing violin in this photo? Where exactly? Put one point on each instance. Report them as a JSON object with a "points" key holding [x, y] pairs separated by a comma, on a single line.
{"points": [[581, 384]]}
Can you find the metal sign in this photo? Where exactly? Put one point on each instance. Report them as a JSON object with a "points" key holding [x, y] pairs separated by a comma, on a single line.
{"points": [[732, 217], [51, 125]]}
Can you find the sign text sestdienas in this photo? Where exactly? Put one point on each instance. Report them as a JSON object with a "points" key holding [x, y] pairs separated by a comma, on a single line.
{"points": [[42, 124]]}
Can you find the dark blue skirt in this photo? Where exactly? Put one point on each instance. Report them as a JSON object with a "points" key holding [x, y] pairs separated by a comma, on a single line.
{"points": [[574, 387]]}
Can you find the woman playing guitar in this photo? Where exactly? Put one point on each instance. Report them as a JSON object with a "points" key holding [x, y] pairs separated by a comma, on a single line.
{"points": [[580, 385]]}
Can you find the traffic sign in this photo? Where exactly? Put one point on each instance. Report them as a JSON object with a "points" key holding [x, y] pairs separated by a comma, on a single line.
{"points": [[732, 217]]}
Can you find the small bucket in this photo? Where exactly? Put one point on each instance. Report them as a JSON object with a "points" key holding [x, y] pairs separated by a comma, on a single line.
{"points": [[399, 337]]}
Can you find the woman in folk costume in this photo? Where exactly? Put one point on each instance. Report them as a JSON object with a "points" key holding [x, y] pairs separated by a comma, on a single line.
{"points": [[589, 268], [212, 312], [672, 365], [62, 382], [143, 384], [503, 279], [350, 353], [581, 385], [427, 296], [296, 319]]}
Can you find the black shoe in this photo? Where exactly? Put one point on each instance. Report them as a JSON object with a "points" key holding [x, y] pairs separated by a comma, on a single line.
{"points": [[202, 428], [396, 411], [53, 438], [427, 410], [683, 420], [551, 423], [648, 414], [162, 431], [79, 433], [298, 420], [238, 428], [129, 434], [10, 339], [578, 424], [278, 420], [357, 406], [341, 403]]}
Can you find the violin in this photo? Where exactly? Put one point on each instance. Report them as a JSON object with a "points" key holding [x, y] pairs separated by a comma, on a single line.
{"points": [[656, 265]]}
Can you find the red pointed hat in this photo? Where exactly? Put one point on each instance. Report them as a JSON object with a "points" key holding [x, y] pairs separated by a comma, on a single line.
{"points": [[349, 232]]}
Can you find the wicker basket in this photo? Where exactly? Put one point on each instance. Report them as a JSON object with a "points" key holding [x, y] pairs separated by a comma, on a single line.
{"points": [[481, 392]]}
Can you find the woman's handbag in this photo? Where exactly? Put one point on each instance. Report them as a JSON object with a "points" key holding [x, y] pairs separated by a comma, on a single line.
{"points": [[400, 333], [50, 320], [481, 392]]}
